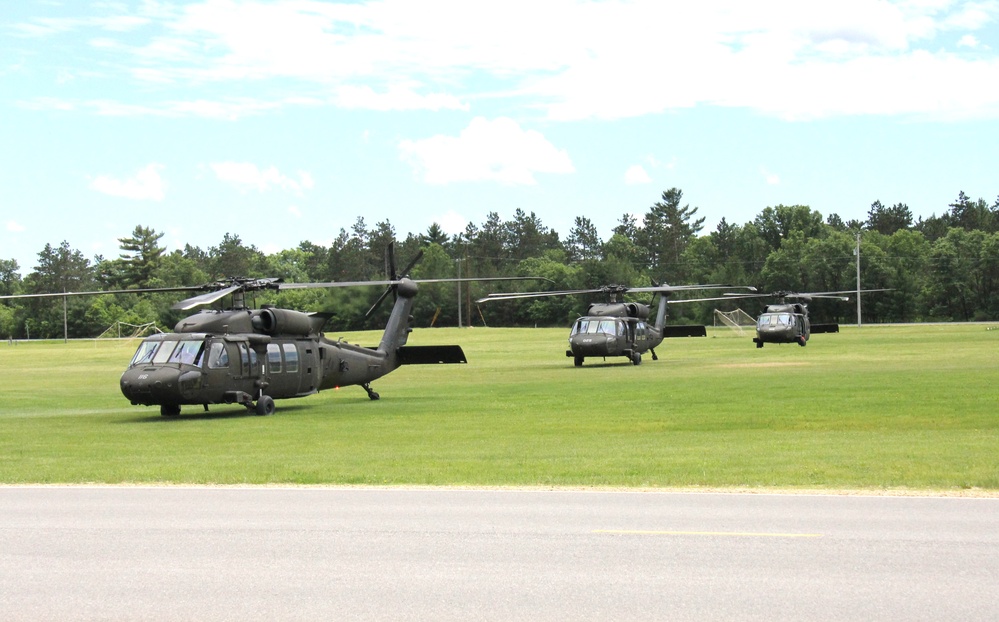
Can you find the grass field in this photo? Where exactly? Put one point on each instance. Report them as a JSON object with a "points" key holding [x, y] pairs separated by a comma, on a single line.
{"points": [[871, 408]]}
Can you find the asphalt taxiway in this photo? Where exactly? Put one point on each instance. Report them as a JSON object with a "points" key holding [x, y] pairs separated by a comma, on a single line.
{"points": [[175, 553]]}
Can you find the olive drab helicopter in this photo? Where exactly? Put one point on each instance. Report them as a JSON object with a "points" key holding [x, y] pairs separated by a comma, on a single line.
{"points": [[788, 322], [617, 328], [240, 355]]}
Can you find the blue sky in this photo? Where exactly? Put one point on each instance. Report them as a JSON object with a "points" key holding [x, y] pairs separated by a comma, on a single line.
{"points": [[284, 121]]}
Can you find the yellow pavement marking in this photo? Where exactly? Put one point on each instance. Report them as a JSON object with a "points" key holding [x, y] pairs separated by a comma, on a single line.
{"points": [[637, 532]]}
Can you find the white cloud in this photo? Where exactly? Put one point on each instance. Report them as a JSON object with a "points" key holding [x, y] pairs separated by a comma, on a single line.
{"points": [[772, 179], [294, 211], [570, 59], [145, 185], [247, 176], [971, 15], [636, 175], [395, 98], [654, 162], [968, 41], [14, 227], [497, 150], [452, 223]]}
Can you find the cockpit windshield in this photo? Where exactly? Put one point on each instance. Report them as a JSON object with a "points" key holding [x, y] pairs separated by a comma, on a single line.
{"points": [[145, 352], [593, 326], [776, 319], [187, 351]]}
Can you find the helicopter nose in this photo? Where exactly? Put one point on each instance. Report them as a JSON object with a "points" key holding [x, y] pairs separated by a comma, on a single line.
{"points": [[159, 385], [591, 345]]}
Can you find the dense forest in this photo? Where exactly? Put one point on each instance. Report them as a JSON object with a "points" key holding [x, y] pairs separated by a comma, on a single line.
{"points": [[944, 268]]}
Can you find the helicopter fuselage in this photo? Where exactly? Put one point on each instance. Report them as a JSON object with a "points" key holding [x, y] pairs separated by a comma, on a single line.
{"points": [[785, 323], [259, 355], [196, 368], [606, 335]]}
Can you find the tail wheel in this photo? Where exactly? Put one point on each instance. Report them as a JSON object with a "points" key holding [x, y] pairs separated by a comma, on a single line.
{"points": [[265, 405]]}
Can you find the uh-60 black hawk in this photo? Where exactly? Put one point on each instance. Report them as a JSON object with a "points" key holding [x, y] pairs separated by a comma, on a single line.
{"points": [[787, 322], [617, 328], [240, 355]]}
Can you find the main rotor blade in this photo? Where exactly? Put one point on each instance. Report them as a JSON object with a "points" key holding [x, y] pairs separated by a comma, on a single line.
{"points": [[205, 299], [810, 296], [146, 290], [609, 289], [783, 294], [676, 302], [684, 288], [841, 292], [320, 285], [516, 295], [470, 279]]}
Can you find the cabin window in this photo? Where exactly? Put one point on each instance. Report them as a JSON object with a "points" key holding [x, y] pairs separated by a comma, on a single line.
{"points": [[290, 357], [218, 356], [145, 352], [248, 357], [188, 352], [273, 358]]}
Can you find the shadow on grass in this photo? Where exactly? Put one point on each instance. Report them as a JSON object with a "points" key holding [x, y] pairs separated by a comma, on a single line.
{"points": [[602, 364], [236, 412]]}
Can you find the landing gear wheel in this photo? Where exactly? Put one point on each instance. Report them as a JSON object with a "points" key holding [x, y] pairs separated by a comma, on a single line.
{"points": [[371, 394], [265, 405], [636, 358], [802, 342], [169, 410], [578, 361], [759, 344]]}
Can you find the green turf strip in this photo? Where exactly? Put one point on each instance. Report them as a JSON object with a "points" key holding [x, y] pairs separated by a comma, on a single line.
{"points": [[879, 407]]}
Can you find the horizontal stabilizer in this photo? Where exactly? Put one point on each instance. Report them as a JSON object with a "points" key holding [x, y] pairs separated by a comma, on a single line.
{"points": [[430, 355], [690, 330], [825, 328]]}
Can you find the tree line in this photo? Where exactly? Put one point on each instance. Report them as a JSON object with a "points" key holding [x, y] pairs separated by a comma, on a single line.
{"points": [[943, 268]]}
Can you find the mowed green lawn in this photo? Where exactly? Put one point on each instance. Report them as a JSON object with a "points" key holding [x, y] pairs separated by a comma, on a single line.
{"points": [[870, 408]]}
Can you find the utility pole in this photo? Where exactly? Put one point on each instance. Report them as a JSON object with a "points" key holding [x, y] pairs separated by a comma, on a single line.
{"points": [[458, 261], [856, 252]]}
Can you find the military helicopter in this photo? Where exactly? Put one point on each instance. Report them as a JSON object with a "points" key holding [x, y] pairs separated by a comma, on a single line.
{"points": [[251, 357], [616, 328], [785, 322]]}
